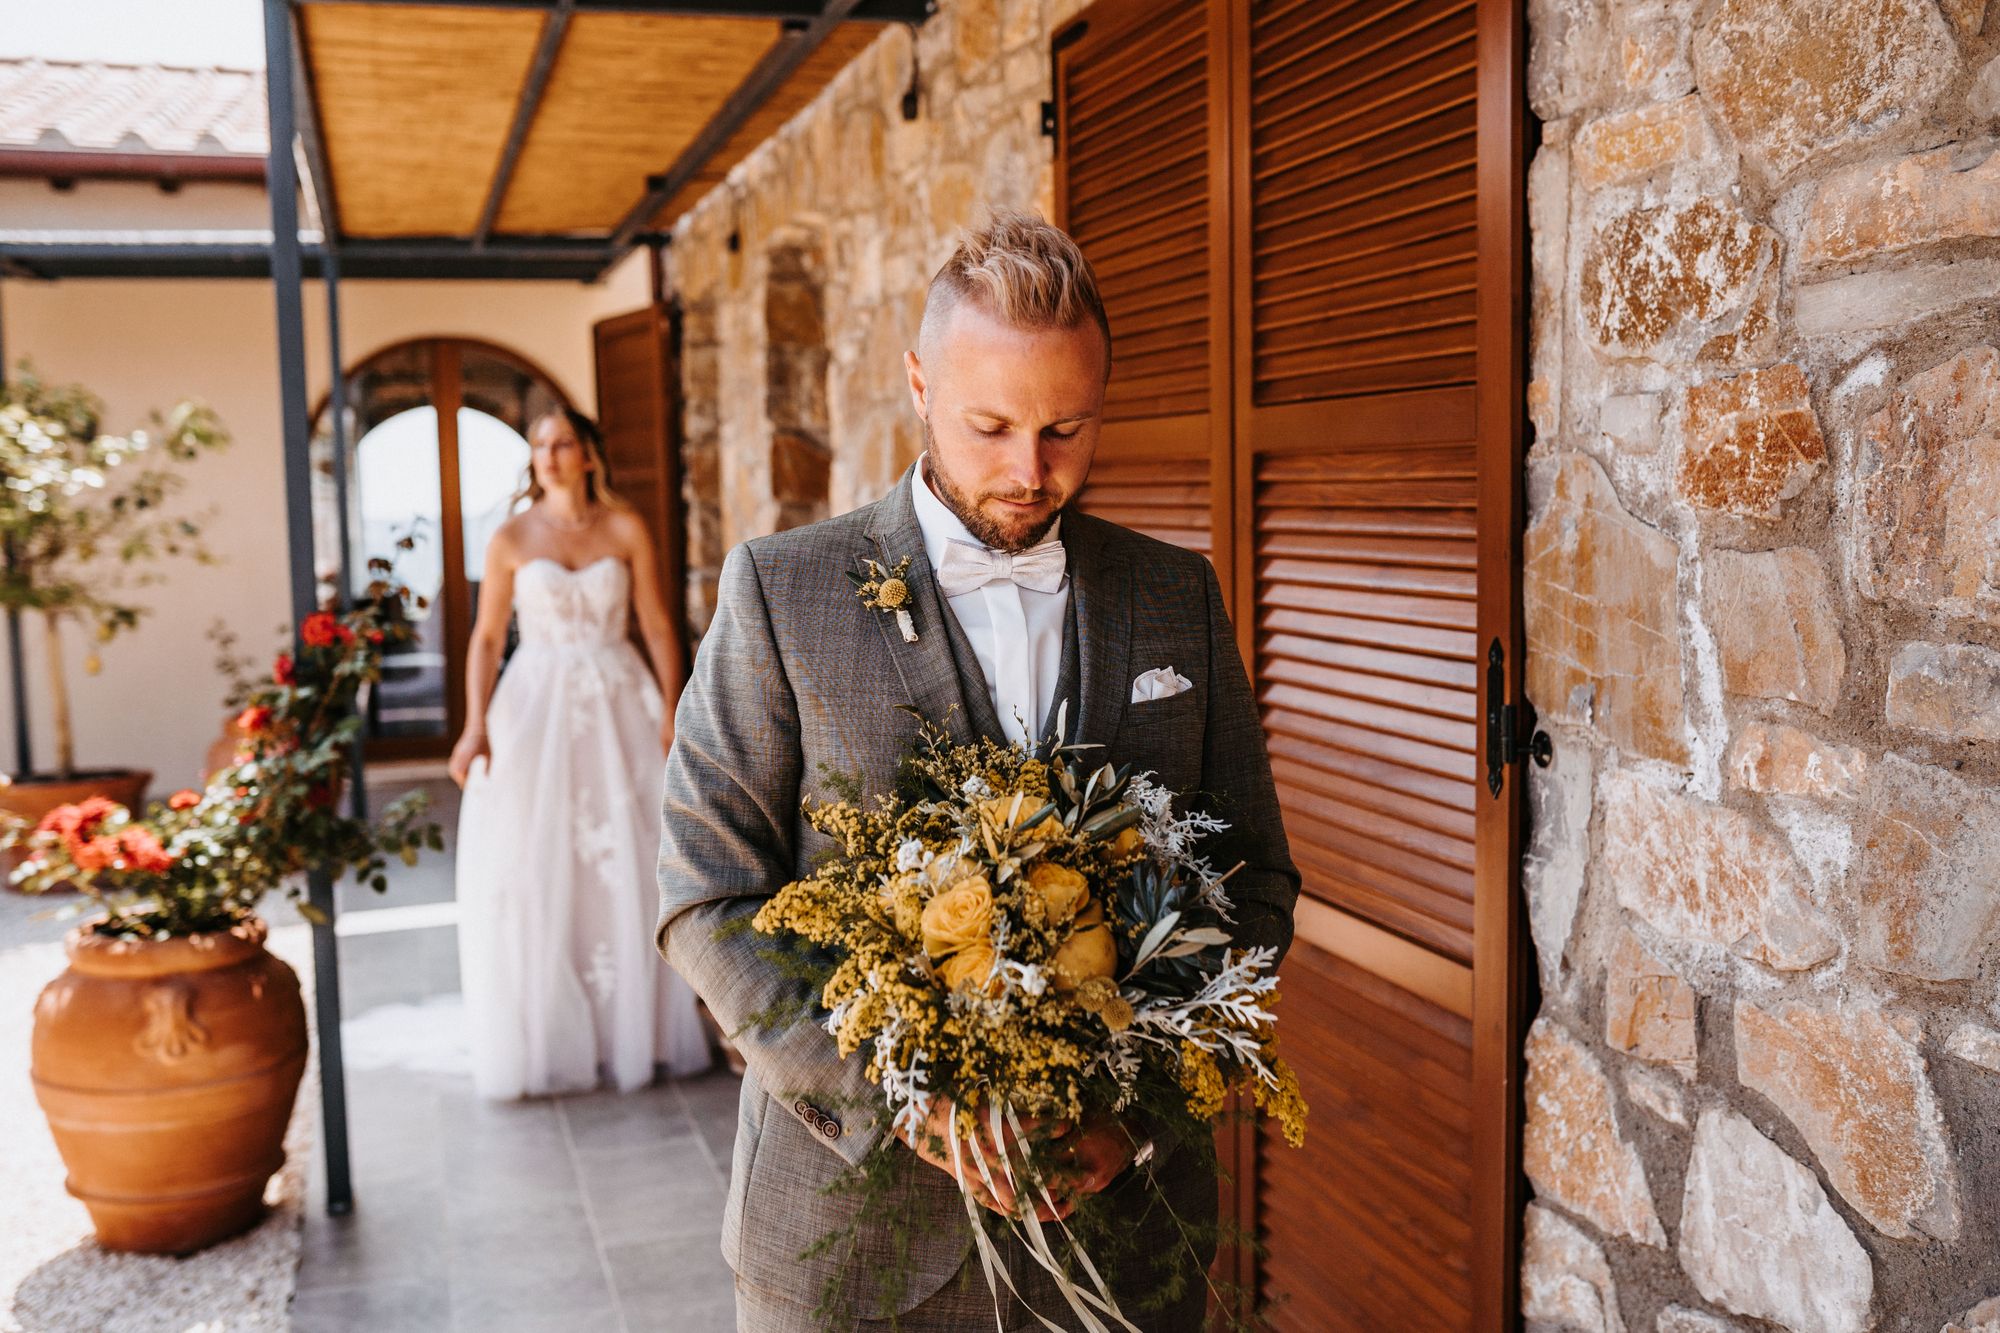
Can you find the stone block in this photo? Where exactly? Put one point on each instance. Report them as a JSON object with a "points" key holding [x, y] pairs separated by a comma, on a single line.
{"points": [[1569, 56], [1774, 758], [1793, 79], [1887, 298], [1981, 1318], [1776, 628], [975, 38], [1707, 874], [1859, 1091], [1656, 1096], [1649, 1011], [1631, 421], [1924, 882], [1750, 443], [1975, 1045], [1603, 616], [1760, 1238], [1548, 230], [1680, 1319], [1653, 57], [1565, 1281], [1947, 689], [1571, 1148], [1926, 506], [1552, 871], [1642, 145], [1661, 282], [1983, 98], [1946, 194], [799, 469], [1968, 17]]}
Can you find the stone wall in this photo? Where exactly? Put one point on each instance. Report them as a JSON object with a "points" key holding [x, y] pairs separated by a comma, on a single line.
{"points": [[853, 206], [1763, 600]]}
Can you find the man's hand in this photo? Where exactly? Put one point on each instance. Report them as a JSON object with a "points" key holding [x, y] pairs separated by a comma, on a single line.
{"points": [[1082, 1163]]}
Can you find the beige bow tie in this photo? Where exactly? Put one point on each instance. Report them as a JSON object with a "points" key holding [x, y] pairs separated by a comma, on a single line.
{"points": [[965, 567]]}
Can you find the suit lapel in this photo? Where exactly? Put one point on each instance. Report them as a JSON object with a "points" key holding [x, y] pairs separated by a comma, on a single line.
{"points": [[1102, 587], [926, 668]]}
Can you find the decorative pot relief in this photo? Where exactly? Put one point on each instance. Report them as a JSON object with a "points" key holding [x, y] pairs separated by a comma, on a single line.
{"points": [[171, 1032]]}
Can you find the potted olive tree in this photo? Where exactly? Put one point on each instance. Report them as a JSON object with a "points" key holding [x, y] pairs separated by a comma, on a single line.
{"points": [[81, 512], [168, 1054]]}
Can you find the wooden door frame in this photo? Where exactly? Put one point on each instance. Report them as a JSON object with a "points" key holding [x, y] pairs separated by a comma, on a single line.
{"points": [[446, 395], [1499, 943]]}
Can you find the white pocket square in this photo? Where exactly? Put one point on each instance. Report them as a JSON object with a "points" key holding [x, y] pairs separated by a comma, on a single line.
{"points": [[1159, 683]]}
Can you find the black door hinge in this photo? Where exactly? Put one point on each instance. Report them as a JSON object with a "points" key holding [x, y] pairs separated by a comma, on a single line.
{"points": [[1049, 118], [1510, 728]]}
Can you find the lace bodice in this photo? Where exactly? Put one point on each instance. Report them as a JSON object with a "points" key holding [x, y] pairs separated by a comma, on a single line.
{"points": [[572, 608]]}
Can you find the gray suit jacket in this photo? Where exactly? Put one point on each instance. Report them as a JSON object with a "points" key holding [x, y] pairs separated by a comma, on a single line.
{"points": [[797, 678]]}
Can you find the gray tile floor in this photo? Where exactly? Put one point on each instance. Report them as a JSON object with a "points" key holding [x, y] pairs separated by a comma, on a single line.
{"points": [[573, 1214]]}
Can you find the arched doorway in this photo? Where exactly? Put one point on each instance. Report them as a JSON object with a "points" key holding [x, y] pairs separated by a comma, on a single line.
{"points": [[437, 449]]}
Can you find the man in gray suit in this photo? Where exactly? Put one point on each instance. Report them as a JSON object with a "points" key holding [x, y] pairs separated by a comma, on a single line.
{"points": [[1020, 606]]}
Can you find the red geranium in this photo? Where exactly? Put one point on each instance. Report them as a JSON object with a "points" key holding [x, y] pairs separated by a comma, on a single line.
{"points": [[141, 849], [80, 820], [322, 629], [254, 719], [281, 670], [184, 799]]}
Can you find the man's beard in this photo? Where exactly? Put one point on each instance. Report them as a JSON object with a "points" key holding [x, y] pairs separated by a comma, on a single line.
{"points": [[980, 524]]}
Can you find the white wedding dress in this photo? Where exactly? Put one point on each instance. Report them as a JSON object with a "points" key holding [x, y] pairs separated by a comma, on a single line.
{"points": [[557, 845]]}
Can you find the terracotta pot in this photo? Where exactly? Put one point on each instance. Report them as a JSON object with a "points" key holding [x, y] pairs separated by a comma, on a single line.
{"points": [[167, 1070], [31, 798]]}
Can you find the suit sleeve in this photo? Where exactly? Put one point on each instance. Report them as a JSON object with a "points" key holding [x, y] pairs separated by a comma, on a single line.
{"points": [[729, 821], [1236, 771]]}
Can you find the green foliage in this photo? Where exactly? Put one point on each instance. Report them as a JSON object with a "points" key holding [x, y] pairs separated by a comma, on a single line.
{"points": [[78, 504]]}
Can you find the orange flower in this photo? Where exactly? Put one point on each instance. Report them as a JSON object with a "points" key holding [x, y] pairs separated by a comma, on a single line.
{"points": [[254, 719], [185, 799], [281, 670], [80, 820], [94, 853]]}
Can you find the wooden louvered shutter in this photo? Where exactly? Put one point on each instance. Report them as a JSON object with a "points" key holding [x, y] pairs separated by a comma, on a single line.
{"points": [[637, 414], [1306, 216], [1139, 133], [1372, 526]]}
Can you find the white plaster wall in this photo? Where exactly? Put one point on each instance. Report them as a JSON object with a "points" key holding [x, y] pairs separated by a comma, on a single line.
{"points": [[141, 344]]}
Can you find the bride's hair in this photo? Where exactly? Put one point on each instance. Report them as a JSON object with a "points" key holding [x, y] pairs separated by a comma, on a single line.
{"points": [[597, 482]]}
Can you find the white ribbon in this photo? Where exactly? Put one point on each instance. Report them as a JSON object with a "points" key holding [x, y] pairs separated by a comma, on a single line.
{"points": [[1028, 1230]]}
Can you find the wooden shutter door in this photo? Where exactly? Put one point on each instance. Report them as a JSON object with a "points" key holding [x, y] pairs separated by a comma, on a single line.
{"points": [[1361, 193], [1140, 134], [639, 418], [1374, 562]]}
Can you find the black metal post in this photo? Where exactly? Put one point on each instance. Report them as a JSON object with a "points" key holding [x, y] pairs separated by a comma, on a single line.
{"points": [[17, 666], [287, 278], [336, 407]]}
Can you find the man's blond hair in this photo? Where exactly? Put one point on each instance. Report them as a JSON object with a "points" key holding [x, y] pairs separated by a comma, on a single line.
{"points": [[1023, 271]]}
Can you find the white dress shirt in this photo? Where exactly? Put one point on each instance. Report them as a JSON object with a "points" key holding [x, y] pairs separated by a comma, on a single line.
{"points": [[1016, 633]]}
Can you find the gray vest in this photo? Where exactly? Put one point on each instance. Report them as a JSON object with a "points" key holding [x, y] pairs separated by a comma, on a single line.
{"points": [[979, 697]]}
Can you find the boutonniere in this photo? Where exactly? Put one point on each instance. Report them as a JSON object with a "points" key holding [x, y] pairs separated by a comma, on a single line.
{"points": [[887, 591]]}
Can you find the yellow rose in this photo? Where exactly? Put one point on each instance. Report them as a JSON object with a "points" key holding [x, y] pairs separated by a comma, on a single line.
{"points": [[1090, 951], [1128, 843], [970, 968], [1060, 890], [1002, 812], [958, 918]]}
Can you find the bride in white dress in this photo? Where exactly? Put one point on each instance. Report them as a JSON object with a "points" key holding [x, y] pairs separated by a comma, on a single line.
{"points": [[559, 826]]}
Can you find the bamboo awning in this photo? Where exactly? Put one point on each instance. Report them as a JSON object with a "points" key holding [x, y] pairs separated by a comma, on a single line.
{"points": [[520, 138]]}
